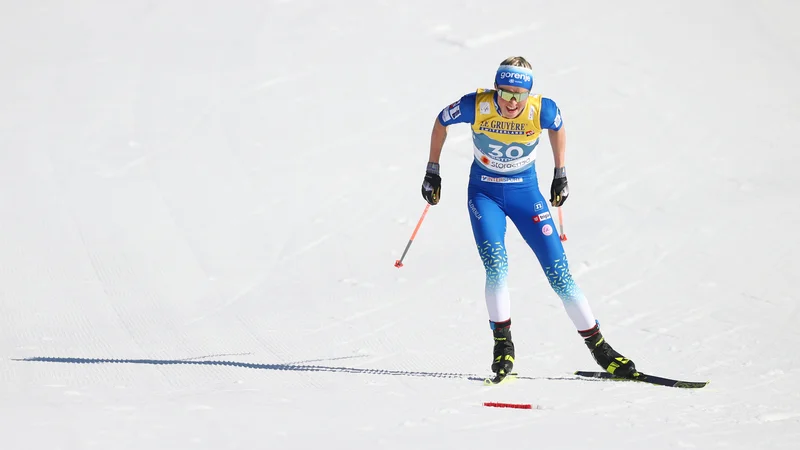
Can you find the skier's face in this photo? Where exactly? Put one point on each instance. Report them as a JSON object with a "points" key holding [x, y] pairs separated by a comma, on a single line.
{"points": [[518, 98]]}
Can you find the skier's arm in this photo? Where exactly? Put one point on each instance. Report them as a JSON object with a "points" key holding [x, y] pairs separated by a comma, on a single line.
{"points": [[550, 119], [462, 111], [438, 136], [558, 142], [459, 112]]}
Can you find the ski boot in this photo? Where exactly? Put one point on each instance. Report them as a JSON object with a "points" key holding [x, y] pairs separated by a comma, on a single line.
{"points": [[503, 348], [605, 356]]}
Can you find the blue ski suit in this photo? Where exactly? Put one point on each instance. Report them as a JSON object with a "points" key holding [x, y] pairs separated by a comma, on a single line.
{"points": [[502, 184]]}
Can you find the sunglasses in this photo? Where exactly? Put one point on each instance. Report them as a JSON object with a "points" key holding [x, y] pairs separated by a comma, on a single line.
{"points": [[508, 96]]}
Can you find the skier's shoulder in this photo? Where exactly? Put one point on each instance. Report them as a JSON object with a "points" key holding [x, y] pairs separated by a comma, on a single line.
{"points": [[460, 111], [550, 114]]}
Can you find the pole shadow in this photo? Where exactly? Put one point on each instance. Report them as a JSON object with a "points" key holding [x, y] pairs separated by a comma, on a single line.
{"points": [[276, 367]]}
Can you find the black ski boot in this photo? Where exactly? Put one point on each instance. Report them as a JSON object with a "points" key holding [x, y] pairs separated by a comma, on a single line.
{"points": [[503, 348], [605, 356]]}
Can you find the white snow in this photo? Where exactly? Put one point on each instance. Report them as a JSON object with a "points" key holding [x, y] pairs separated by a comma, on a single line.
{"points": [[201, 204]]}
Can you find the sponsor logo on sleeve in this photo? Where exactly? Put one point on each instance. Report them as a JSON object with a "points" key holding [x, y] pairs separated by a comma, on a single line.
{"points": [[547, 230], [455, 111], [538, 206], [557, 121], [446, 115]]}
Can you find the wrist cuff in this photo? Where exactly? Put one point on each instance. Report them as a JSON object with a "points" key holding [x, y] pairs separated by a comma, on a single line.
{"points": [[433, 168], [560, 172]]}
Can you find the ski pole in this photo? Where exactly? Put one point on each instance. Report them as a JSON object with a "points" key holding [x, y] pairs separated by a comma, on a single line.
{"points": [[561, 225], [399, 262]]}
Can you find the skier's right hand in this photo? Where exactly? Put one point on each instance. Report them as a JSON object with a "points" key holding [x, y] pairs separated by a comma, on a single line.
{"points": [[432, 185]]}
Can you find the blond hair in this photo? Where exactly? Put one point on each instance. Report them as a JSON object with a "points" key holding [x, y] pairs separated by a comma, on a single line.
{"points": [[517, 61]]}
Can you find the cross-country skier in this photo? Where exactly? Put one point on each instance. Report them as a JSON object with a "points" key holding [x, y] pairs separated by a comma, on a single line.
{"points": [[506, 125]]}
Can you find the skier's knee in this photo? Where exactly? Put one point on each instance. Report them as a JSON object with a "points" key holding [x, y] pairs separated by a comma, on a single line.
{"points": [[560, 280], [495, 260]]}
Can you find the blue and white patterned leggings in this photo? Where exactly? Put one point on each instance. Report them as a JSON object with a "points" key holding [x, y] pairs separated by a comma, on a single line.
{"points": [[489, 203]]}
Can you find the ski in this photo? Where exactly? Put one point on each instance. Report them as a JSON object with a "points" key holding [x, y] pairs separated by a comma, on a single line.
{"points": [[499, 378], [646, 378]]}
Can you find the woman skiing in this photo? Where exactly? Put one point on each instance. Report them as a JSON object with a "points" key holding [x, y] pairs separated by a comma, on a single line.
{"points": [[507, 122]]}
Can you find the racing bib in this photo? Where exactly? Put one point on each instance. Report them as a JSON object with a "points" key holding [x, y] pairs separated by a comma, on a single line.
{"points": [[501, 145]]}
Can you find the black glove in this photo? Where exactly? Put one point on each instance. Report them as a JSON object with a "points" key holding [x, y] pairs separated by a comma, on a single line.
{"points": [[432, 185], [559, 190]]}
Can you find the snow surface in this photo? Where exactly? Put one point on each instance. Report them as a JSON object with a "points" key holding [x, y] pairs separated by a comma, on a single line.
{"points": [[201, 204]]}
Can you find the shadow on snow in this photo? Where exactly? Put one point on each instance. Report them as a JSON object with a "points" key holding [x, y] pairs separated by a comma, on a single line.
{"points": [[291, 367]]}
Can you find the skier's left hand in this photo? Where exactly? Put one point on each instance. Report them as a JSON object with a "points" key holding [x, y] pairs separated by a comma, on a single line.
{"points": [[559, 190]]}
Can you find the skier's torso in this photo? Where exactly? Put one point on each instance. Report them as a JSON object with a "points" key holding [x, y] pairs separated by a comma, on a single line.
{"points": [[504, 149], [505, 146]]}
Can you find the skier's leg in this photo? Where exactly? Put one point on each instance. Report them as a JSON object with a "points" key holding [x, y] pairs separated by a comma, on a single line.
{"points": [[489, 229], [532, 217], [530, 214]]}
